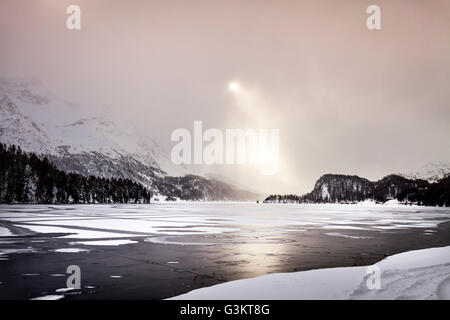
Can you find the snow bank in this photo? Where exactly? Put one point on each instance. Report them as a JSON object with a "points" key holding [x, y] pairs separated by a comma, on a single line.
{"points": [[4, 232], [105, 242], [70, 250], [49, 297], [419, 274]]}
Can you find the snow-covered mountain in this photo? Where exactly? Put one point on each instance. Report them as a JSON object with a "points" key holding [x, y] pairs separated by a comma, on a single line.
{"points": [[77, 140], [432, 172]]}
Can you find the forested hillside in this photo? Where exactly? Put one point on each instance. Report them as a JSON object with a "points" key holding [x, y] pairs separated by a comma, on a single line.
{"points": [[335, 188], [25, 178]]}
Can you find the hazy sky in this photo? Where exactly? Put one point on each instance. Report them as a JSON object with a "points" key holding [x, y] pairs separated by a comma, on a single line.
{"points": [[346, 99]]}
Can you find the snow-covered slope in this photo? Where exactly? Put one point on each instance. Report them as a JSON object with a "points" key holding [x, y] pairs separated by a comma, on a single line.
{"points": [[16, 128], [69, 127], [38, 121], [419, 274], [432, 172]]}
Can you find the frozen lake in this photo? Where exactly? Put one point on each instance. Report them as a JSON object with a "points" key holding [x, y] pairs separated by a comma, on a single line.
{"points": [[160, 250]]}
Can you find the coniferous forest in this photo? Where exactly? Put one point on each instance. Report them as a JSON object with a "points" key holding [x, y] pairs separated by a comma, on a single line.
{"points": [[25, 178]]}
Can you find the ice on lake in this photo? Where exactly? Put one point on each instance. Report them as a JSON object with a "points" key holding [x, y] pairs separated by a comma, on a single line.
{"points": [[173, 222], [232, 240]]}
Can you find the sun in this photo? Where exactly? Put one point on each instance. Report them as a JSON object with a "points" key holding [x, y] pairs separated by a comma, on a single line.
{"points": [[234, 87]]}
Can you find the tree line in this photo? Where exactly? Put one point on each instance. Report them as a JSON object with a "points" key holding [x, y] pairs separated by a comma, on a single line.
{"points": [[25, 178], [285, 198]]}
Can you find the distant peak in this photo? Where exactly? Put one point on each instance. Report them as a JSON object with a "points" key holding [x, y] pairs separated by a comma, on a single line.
{"points": [[432, 172]]}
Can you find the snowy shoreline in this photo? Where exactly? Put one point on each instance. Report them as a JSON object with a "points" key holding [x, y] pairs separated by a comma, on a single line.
{"points": [[412, 275], [389, 203]]}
